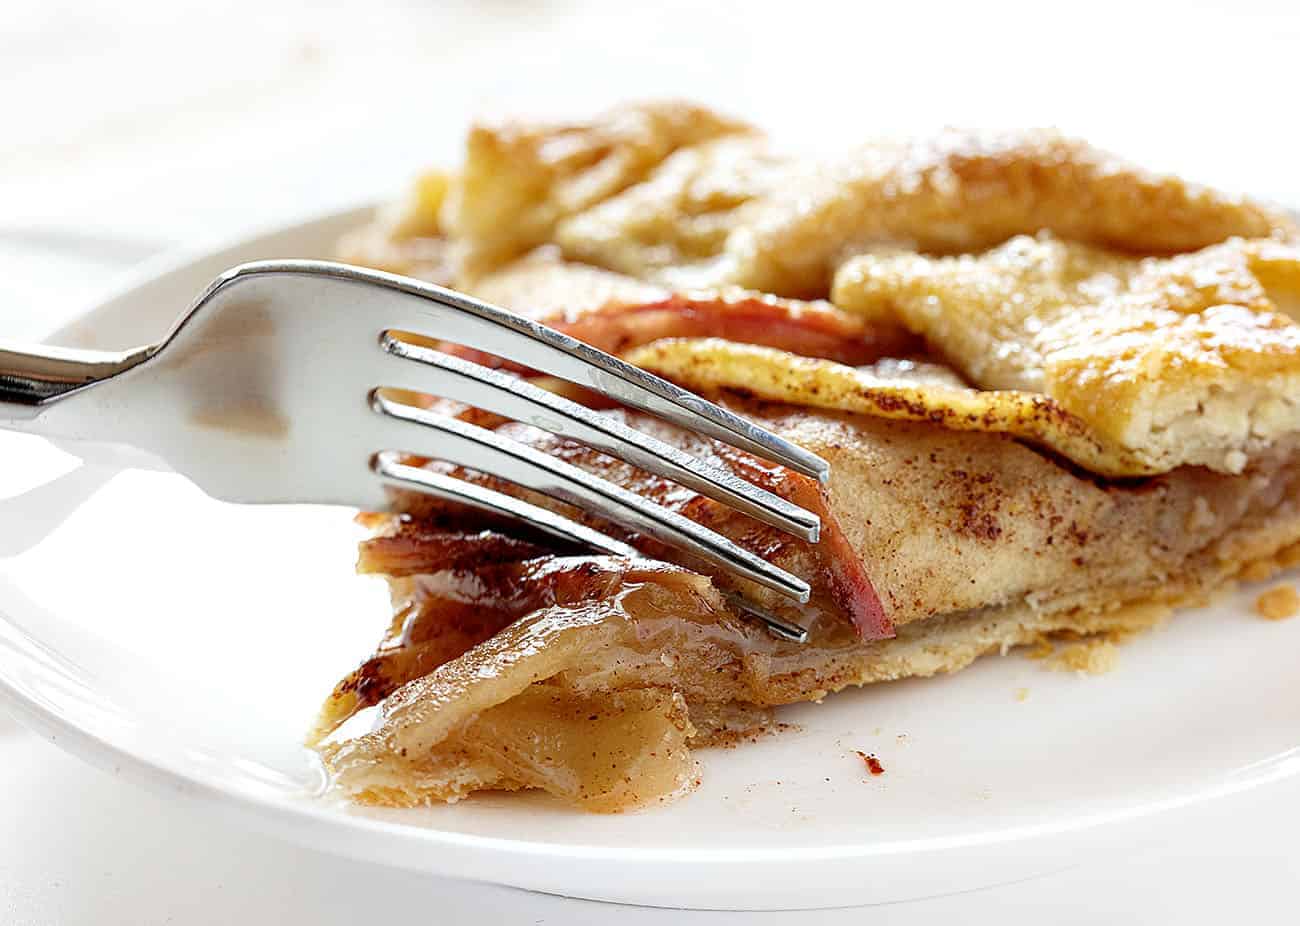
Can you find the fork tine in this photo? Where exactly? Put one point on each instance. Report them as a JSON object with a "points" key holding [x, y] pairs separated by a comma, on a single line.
{"points": [[476, 448], [389, 467], [452, 377], [496, 331], [779, 626]]}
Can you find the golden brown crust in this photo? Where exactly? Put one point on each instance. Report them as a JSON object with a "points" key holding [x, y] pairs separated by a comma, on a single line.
{"points": [[519, 179], [907, 391], [1173, 361], [956, 192], [674, 227], [966, 191]]}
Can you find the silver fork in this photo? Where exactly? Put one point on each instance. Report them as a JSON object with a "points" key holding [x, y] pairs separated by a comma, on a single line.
{"points": [[280, 385]]}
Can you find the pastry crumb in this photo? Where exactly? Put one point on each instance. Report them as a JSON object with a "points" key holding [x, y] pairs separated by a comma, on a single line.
{"points": [[1092, 656], [1278, 603], [1022, 694]]}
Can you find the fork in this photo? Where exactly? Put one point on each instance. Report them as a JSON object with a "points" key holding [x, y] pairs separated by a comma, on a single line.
{"points": [[281, 384]]}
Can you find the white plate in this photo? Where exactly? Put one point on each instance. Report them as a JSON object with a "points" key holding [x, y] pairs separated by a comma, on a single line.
{"points": [[186, 643]]}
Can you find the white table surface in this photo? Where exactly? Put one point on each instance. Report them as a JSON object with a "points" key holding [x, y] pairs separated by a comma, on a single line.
{"points": [[129, 130]]}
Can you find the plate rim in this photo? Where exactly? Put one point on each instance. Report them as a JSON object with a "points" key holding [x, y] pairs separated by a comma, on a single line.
{"points": [[298, 820]]}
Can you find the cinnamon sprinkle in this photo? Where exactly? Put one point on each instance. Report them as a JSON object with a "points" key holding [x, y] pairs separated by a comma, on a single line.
{"points": [[872, 763]]}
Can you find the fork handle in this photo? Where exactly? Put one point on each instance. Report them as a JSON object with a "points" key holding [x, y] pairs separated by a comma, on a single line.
{"points": [[32, 376]]}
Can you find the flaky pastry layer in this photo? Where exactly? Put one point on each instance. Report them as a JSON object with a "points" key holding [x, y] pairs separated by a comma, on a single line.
{"points": [[1170, 361]]}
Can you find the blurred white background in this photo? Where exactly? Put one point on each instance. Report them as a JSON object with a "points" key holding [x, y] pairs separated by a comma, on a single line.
{"points": [[127, 128]]}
